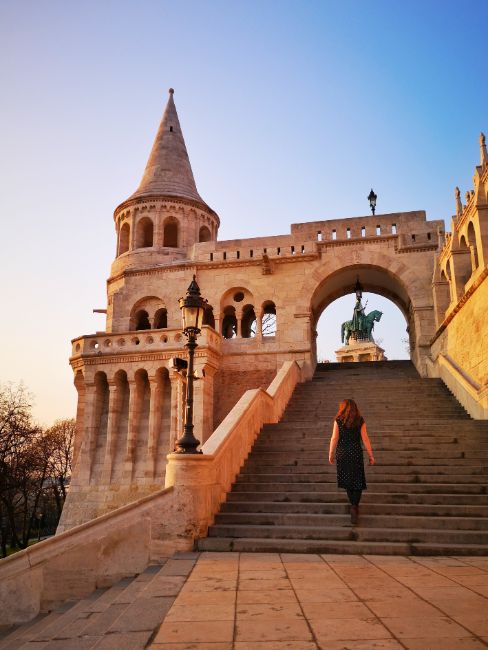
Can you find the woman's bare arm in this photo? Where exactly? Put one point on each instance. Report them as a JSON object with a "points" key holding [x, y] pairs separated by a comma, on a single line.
{"points": [[333, 443], [367, 443]]}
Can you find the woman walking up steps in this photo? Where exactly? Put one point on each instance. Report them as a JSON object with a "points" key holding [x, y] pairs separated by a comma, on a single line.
{"points": [[345, 443]]}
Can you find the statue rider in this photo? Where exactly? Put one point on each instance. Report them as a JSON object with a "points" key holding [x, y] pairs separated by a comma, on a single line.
{"points": [[358, 316]]}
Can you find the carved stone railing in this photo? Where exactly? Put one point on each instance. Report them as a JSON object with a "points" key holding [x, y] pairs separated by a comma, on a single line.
{"points": [[472, 395], [161, 340]]}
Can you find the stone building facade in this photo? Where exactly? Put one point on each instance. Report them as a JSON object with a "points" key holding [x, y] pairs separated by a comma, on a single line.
{"points": [[265, 297]]}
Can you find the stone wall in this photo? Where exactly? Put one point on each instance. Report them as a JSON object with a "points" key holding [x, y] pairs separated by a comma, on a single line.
{"points": [[230, 386]]}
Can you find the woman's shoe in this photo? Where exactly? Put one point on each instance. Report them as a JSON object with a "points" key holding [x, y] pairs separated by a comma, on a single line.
{"points": [[354, 514]]}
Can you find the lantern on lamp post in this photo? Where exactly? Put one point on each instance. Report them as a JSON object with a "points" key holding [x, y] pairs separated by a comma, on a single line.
{"points": [[192, 312], [372, 201]]}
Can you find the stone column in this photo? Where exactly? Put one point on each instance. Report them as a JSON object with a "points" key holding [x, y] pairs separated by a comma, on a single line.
{"points": [[132, 242], [239, 324], [203, 400], [135, 401], [155, 409], [176, 422], [89, 437], [259, 326], [114, 409]]}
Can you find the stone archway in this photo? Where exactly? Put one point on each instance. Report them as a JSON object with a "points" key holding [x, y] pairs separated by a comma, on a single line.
{"points": [[380, 273]]}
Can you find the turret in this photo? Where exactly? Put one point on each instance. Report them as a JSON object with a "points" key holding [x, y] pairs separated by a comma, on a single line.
{"points": [[165, 215]]}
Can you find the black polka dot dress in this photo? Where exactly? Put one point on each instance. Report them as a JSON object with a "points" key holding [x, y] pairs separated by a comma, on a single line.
{"points": [[349, 457]]}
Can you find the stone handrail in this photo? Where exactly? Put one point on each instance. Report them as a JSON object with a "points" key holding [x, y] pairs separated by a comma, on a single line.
{"points": [[78, 561], [204, 480], [472, 395]]}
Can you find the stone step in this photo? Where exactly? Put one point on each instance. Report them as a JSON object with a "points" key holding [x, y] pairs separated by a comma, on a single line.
{"points": [[405, 464], [21, 634], [264, 457], [368, 520], [339, 496], [392, 476], [263, 545], [406, 535], [370, 507], [123, 616], [384, 487]]}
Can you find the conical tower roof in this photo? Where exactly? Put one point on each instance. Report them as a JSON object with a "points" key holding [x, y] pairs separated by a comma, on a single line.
{"points": [[168, 171]]}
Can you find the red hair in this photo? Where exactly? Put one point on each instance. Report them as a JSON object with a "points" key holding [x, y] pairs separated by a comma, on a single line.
{"points": [[349, 413]]}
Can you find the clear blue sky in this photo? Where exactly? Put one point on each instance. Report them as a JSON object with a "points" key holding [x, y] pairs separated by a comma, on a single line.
{"points": [[291, 112]]}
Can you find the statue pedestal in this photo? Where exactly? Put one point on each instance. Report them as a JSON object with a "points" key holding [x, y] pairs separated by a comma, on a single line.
{"points": [[360, 351]]}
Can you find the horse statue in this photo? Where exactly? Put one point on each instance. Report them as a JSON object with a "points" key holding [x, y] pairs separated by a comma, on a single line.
{"points": [[367, 326]]}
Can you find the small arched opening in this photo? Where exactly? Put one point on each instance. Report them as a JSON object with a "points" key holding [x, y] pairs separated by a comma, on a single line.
{"points": [[473, 245], [229, 323], [170, 233], [161, 319], [142, 320], [204, 234], [269, 325], [124, 238], [144, 233], [248, 322], [208, 317]]}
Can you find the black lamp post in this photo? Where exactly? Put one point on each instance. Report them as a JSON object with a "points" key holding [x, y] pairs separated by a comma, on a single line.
{"points": [[372, 201], [192, 311]]}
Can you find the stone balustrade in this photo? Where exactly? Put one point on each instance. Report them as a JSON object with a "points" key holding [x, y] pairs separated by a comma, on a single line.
{"points": [[163, 340]]}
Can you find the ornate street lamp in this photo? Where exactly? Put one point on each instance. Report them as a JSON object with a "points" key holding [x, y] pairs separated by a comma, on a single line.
{"points": [[192, 311], [372, 201]]}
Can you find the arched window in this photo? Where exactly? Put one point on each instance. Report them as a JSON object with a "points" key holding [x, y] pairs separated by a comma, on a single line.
{"points": [[170, 235], [204, 234], [142, 320], [160, 319], [229, 323], [268, 323], [124, 237], [248, 322], [208, 317], [144, 233], [473, 245]]}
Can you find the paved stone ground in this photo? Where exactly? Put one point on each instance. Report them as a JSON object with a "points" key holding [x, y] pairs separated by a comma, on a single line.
{"points": [[271, 601]]}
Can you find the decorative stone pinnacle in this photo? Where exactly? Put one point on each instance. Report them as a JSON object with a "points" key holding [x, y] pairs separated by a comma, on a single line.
{"points": [[483, 152], [171, 91], [459, 205]]}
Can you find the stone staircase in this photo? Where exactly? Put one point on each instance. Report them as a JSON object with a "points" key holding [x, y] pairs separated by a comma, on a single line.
{"points": [[125, 616], [427, 493]]}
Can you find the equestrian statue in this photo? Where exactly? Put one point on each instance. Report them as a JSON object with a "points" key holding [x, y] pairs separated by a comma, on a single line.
{"points": [[361, 326]]}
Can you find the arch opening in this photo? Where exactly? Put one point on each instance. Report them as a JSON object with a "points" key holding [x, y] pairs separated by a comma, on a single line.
{"points": [[144, 233], [229, 323], [124, 238], [248, 322], [333, 302], [269, 324], [204, 234], [170, 234], [161, 319]]}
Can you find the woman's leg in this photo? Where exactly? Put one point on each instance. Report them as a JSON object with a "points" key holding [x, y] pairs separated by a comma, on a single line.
{"points": [[354, 496]]}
